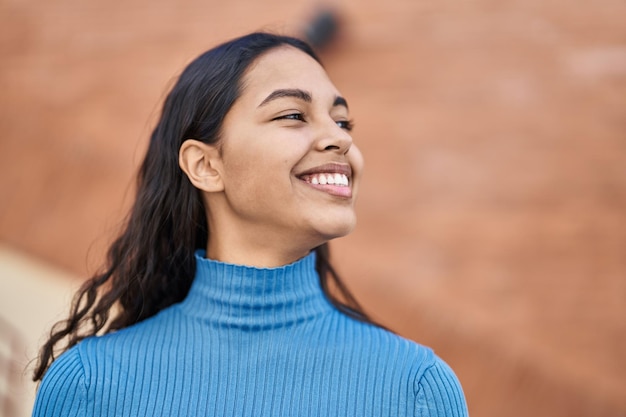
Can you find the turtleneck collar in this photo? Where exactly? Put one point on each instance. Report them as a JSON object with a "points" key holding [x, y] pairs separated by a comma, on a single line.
{"points": [[253, 298]]}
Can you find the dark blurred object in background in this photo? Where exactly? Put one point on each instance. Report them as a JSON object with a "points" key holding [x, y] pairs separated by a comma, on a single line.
{"points": [[322, 29]]}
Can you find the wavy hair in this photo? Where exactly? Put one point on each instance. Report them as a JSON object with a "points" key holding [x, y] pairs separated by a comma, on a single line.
{"points": [[151, 264]]}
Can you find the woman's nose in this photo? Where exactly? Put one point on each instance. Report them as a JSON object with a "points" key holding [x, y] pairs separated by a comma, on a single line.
{"points": [[334, 138]]}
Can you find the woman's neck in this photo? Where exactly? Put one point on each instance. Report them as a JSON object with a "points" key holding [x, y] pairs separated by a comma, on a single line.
{"points": [[266, 254]]}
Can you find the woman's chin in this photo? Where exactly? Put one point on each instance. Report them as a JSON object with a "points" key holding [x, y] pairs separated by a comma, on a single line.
{"points": [[336, 230]]}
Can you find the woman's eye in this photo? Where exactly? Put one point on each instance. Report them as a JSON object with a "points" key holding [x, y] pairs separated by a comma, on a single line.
{"points": [[291, 116], [345, 124]]}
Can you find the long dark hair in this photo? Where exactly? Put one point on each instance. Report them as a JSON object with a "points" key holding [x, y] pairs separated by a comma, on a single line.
{"points": [[151, 264]]}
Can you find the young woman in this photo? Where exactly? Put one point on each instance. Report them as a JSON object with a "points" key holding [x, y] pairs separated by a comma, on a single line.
{"points": [[215, 299]]}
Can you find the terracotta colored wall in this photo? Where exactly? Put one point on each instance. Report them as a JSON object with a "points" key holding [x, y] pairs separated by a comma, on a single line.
{"points": [[493, 213]]}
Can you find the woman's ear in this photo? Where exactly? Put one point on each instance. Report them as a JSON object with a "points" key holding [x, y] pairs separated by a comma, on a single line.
{"points": [[201, 162]]}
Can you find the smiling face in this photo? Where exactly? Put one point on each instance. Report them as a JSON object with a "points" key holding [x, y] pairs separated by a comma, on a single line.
{"points": [[288, 168]]}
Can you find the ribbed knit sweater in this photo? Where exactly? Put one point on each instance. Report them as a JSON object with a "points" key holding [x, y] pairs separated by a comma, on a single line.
{"points": [[250, 342]]}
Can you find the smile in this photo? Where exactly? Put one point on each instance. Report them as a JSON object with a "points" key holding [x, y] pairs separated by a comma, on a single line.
{"points": [[331, 183], [332, 178], [340, 180]]}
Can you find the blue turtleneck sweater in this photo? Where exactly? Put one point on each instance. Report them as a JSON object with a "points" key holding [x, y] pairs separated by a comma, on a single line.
{"points": [[250, 342]]}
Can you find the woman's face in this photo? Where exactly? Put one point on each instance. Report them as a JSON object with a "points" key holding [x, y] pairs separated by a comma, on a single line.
{"points": [[289, 168]]}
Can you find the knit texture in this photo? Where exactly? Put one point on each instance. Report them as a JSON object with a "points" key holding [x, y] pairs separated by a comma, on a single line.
{"points": [[250, 342]]}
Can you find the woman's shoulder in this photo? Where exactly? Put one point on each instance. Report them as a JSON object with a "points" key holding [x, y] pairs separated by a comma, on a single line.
{"points": [[140, 338], [374, 338], [63, 390], [433, 383], [93, 349], [66, 384]]}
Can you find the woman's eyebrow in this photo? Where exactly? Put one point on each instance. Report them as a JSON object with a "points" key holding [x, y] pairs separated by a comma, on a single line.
{"points": [[289, 92], [300, 95], [340, 101]]}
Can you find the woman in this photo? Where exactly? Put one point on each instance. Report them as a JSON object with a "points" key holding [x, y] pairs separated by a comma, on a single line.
{"points": [[215, 299]]}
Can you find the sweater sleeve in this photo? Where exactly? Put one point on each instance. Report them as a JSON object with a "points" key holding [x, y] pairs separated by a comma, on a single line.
{"points": [[439, 393], [62, 391]]}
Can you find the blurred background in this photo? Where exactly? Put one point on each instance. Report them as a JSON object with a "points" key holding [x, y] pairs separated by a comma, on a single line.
{"points": [[492, 216]]}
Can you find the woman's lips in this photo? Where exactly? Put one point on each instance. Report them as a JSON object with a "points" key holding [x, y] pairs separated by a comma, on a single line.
{"points": [[329, 168], [330, 182], [332, 178]]}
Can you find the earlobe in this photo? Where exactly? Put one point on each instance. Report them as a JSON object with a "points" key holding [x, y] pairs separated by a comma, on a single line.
{"points": [[201, 162]]}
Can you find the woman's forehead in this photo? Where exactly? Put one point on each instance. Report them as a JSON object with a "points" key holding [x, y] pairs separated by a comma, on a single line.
{"points": [[286, 68]]}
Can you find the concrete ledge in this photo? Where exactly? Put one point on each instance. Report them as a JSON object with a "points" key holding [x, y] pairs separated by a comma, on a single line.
{"points": [[33, 296]]}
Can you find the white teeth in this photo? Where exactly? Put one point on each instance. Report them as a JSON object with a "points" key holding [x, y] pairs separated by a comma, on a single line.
{"points": [[330, 179]]}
